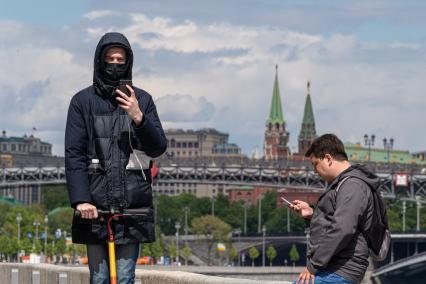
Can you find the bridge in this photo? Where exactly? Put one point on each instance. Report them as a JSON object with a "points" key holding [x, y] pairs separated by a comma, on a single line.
{"points": [[228, 174]]}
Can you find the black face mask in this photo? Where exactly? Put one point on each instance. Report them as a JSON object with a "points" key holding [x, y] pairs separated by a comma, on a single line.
{"points": [[114, 71]]}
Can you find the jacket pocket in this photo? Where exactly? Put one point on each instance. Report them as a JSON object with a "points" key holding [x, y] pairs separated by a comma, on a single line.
{"points": [[138, 191], [98, 189]]}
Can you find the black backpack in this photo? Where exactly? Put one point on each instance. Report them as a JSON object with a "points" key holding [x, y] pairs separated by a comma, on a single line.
{"points": [[378, 236]]}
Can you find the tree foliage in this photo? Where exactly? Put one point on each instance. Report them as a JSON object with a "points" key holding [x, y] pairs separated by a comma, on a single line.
{"points": [[294, 254], [271, 253], [213, 229], [253, 254]]}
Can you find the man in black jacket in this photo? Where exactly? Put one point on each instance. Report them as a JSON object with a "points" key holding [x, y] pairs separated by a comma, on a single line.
{"points": [[337, 249], [108, 134]]}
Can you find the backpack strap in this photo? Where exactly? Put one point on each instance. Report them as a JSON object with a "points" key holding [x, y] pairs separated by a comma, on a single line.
{"points": [[339, 185]]}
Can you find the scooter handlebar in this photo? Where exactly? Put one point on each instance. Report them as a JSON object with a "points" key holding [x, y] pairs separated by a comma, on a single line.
{"points": [[124, 212]]}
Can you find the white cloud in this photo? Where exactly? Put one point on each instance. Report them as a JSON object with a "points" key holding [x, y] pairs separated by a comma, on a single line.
{"points": [[227, 70], [100, 14]]}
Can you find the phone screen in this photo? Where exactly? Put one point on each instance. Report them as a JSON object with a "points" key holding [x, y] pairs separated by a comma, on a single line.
{"points": [[286, 201]]}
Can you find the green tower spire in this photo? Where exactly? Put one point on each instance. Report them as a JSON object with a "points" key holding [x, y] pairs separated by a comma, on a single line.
{"points": [[307, 132], [276, 113], [308, 115]]}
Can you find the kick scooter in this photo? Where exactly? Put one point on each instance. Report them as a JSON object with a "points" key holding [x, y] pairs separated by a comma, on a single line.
{"points": [[111, 215]]}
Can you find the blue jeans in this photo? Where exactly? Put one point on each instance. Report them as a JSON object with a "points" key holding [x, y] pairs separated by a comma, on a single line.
{"points": [[325, 277], [125, 255]]}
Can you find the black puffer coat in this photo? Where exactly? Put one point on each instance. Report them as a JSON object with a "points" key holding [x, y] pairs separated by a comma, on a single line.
{"points": [[97, 128]]}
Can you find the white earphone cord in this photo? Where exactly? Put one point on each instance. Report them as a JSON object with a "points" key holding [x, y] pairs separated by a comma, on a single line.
{"points": [[136, 156]]}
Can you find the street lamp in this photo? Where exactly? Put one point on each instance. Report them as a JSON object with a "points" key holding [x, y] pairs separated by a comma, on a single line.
{"points": [[263, 245], [213, 200], [177, 226], [18, 220], [245, 218], [419, 206], [238, 232], [259, 220], [404, 210], [36, 224], [46, 220], [369, 141], [388, 146], [186, 210]]}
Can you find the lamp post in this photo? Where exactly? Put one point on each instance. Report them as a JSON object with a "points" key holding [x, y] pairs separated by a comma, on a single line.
{"points": [[404, 210], [46, 220], [238, 232], [419, 206], [18, 220], [263, 245], [388, 146], [369, 141], [36, 224], [213, 200], [177, 227], [259, 220], [245, 219], [186, 210]]}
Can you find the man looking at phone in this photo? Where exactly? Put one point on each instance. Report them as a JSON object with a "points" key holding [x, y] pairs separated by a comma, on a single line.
{"points": [[105, 126], [337, 249]]}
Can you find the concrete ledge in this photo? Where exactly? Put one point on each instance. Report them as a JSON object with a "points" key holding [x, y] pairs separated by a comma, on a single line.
{"points": [[49, 273]]}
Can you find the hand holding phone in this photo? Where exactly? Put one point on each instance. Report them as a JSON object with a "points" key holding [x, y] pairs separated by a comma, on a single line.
{"points": [[122, 86], [286, 201]]}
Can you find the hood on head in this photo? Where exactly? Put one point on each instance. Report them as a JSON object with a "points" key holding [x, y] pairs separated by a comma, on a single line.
{"points": [[112, 39]]}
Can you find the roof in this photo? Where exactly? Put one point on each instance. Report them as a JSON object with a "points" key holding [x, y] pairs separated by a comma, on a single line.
{"points": [[10, 200], [276, 112], [358, 153]]}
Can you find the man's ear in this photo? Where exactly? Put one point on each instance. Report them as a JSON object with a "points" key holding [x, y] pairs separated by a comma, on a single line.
{"points": [[329, 159]]}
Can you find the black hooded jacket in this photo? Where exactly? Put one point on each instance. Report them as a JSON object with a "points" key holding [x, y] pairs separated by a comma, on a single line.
{"points": [[98, 129], [336, 242]]}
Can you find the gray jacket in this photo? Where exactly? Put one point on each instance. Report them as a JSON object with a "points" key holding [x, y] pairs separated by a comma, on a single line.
{"points": [[336, 241]]}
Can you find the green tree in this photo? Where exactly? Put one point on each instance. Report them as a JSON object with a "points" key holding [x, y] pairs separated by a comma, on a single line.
{"points": [[233, 254], [172, 251], [156, 250], [294, 254], [213, 229], [60, 246], [186, 253], [253, 254], [271, 253], [146, 250], [54, 196]]}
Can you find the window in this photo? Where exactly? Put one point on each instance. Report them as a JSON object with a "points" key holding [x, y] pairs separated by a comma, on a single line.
{"points": [[13, 147], [195, 144], [189, 144], [4, 147], [172, 143], [183, 144], [20, 148], [178, 144]]}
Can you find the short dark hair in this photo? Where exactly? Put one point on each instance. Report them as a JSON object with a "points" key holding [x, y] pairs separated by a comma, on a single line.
{"points": [[327, 144]]}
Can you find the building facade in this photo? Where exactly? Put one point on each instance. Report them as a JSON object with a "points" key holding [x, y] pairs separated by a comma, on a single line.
{"points": [[276, 135], [206, 142], [26, 145]]}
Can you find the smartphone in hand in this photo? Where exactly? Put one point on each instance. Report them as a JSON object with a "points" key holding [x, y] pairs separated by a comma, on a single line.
{"points": [[286, 201], [122, 86]]}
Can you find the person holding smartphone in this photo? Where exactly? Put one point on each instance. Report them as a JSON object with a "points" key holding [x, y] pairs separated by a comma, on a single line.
{"points": [[337, 250], [107, 123]]}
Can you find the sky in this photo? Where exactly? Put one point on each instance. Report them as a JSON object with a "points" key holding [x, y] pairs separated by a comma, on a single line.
{"points": [[212, 64]]}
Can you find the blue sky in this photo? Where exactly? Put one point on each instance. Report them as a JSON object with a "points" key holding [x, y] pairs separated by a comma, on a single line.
{"points": [[212, 64]]}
